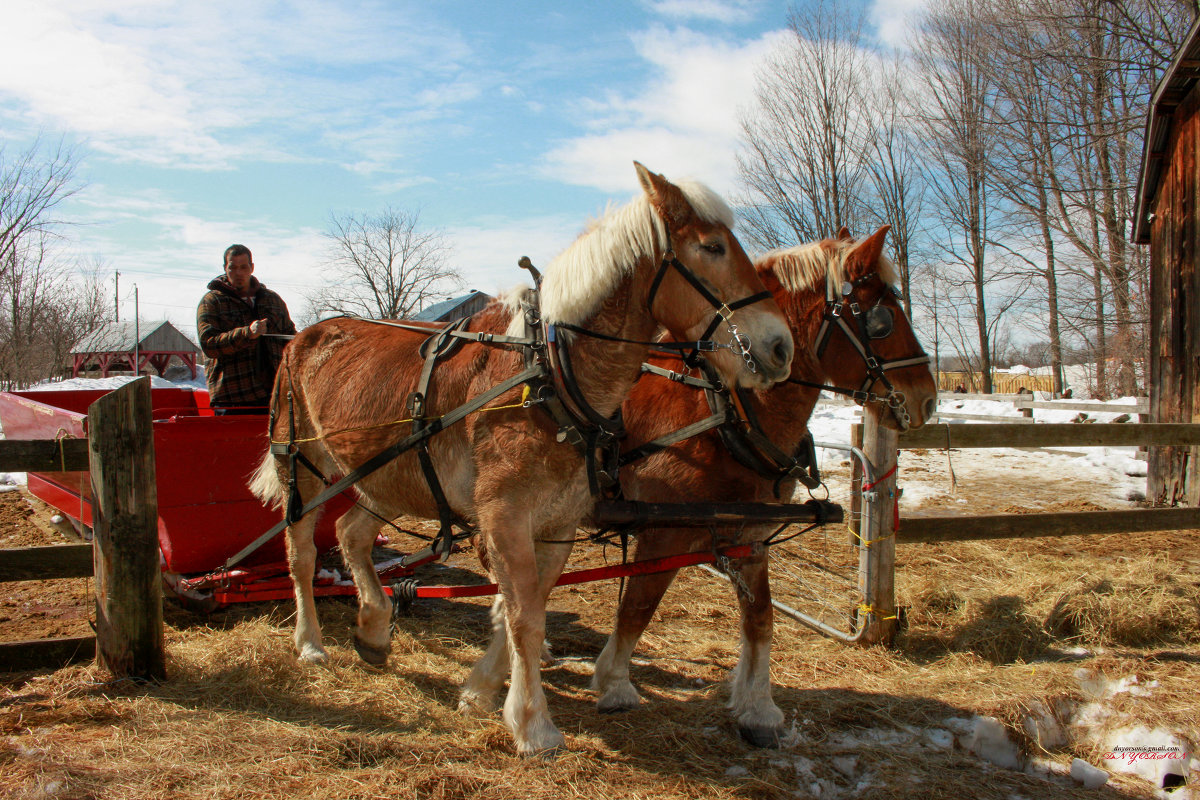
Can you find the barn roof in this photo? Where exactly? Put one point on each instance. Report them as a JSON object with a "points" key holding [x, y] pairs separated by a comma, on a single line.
{"points": [[1177, 82], [119, 337], [442, 310]]}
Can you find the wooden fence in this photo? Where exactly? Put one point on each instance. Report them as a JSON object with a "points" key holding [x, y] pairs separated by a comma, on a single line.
{"points": [[123, 556], [879, 535], [1001, 381]]}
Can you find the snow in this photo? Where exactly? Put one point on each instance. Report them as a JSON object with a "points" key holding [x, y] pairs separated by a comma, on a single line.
{"points": [[1091, 777], [1118, 468]]}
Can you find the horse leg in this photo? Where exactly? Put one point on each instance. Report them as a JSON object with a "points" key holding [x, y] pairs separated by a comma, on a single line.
{"points": [[356, 530], [511, 552], [643, 593], [302, 564], [760, 722], [480, 692]]}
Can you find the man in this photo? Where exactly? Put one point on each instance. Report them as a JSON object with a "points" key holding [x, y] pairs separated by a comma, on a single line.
{"points": [[242, 326]]}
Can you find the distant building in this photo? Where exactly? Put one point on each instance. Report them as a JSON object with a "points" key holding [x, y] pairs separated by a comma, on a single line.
{"points": [[450, 310], [115, 345]]}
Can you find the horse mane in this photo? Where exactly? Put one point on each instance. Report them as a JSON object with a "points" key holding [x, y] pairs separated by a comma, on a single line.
{"points": [[578, 280], [807, 267]]}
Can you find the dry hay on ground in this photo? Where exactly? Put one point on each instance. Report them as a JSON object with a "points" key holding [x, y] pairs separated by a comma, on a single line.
{"points": [[239, 718]]}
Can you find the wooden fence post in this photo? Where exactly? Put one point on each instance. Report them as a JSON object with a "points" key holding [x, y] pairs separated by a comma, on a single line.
{"points": [[129, 618], [877, 559]]}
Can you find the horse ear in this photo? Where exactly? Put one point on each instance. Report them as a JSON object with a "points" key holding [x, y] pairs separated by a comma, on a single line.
{"points": [[665, 197], [844, 234], [865, 255]]}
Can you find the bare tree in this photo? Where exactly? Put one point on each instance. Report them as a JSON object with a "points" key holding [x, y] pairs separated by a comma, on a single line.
{"points": [[384, 266], [895, 173], [47, 307], [32, 185], [807, 138], [961, 146], [1080, 73]]}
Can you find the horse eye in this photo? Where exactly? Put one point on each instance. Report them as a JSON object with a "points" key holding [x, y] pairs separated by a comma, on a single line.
{"points": [[716, 248]]}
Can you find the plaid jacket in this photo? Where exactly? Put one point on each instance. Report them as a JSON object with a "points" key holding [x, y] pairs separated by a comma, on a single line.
{"points": [[241, 370]]}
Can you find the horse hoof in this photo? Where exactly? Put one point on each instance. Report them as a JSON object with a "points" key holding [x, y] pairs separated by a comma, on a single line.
{"points": [[618, 699], [760, 737], [310, 654], [375, 656], [470, 704], [546, 753]]}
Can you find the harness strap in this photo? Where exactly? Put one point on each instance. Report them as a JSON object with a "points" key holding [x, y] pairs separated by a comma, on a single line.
{"points": [[600, 448], [436, 347], [681, 377], [703, 345], [663, 442], [387, 454], [473, 336]]}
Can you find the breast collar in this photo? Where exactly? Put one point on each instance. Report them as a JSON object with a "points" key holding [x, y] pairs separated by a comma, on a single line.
{"points": [[743, 437]]}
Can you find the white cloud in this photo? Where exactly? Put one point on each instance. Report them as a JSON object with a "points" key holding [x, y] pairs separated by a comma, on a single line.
{"points": [[487, 252], [205, 84], [684, 121], [727, 11], [894, 19]]}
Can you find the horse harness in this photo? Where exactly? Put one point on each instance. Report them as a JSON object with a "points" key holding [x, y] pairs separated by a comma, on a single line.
{"points": [[549, 382], [877, 322], [740, 432]]}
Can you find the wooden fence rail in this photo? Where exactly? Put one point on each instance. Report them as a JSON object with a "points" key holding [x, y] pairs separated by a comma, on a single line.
{"points": [[883, 443]]}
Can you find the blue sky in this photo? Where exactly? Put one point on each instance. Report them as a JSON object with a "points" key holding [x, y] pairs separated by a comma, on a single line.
{"points": [[508, 125]]}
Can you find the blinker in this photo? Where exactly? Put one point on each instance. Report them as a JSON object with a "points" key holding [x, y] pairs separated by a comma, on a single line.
{"points": [[879, 322]]}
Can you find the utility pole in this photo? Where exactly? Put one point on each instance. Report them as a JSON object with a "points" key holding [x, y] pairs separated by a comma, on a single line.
{"points": [[117, 298], [137, 334]]}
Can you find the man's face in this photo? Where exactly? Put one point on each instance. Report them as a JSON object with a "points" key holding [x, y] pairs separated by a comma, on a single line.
{"points": [[239, 269]]}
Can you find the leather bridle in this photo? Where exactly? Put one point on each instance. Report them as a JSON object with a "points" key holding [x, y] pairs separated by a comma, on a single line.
{"points": [[724, 311], [860, 334]]}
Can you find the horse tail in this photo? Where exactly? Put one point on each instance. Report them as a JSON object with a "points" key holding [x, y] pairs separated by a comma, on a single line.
{"points": [[265, 483]]}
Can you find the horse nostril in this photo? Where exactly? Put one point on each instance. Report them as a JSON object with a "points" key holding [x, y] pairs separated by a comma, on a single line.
{"points": [[929, 407], [780, 352]]}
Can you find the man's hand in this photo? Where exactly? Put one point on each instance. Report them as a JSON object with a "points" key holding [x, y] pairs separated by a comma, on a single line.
{"points": [[258, 328]]}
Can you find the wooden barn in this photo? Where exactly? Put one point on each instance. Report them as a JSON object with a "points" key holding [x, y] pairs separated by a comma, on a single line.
{"points": [[1168, 219], [121, 345], [456, 308]]}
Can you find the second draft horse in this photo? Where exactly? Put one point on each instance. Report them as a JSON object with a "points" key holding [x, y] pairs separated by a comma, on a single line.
{"points": [[814, 284]]}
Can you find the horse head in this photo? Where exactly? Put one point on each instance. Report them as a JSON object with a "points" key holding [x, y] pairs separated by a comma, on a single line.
{"points": [[705, 287], [839, 298]]}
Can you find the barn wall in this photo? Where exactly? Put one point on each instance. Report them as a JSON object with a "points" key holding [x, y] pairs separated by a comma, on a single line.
{"points": [[1174, 472]]}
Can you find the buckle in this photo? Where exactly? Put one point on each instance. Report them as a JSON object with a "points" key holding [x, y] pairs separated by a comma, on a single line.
{"points": [[706, 346]]}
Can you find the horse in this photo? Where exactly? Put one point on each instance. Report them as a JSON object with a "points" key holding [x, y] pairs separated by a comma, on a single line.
{"points": [[808, 283], [668, 258]]}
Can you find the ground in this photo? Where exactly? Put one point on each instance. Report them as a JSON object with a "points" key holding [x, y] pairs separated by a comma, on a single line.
{"points": [[994, 629]]}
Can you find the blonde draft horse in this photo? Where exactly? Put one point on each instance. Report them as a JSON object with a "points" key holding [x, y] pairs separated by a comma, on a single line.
{"points": [[701, 468], [344, 383]]}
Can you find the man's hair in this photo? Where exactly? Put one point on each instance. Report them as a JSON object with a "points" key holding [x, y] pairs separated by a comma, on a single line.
{"points": [[236, 250]]}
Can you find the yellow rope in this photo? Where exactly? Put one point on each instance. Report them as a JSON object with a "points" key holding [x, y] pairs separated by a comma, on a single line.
{"points": [[524, 396], [865, 609]]}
